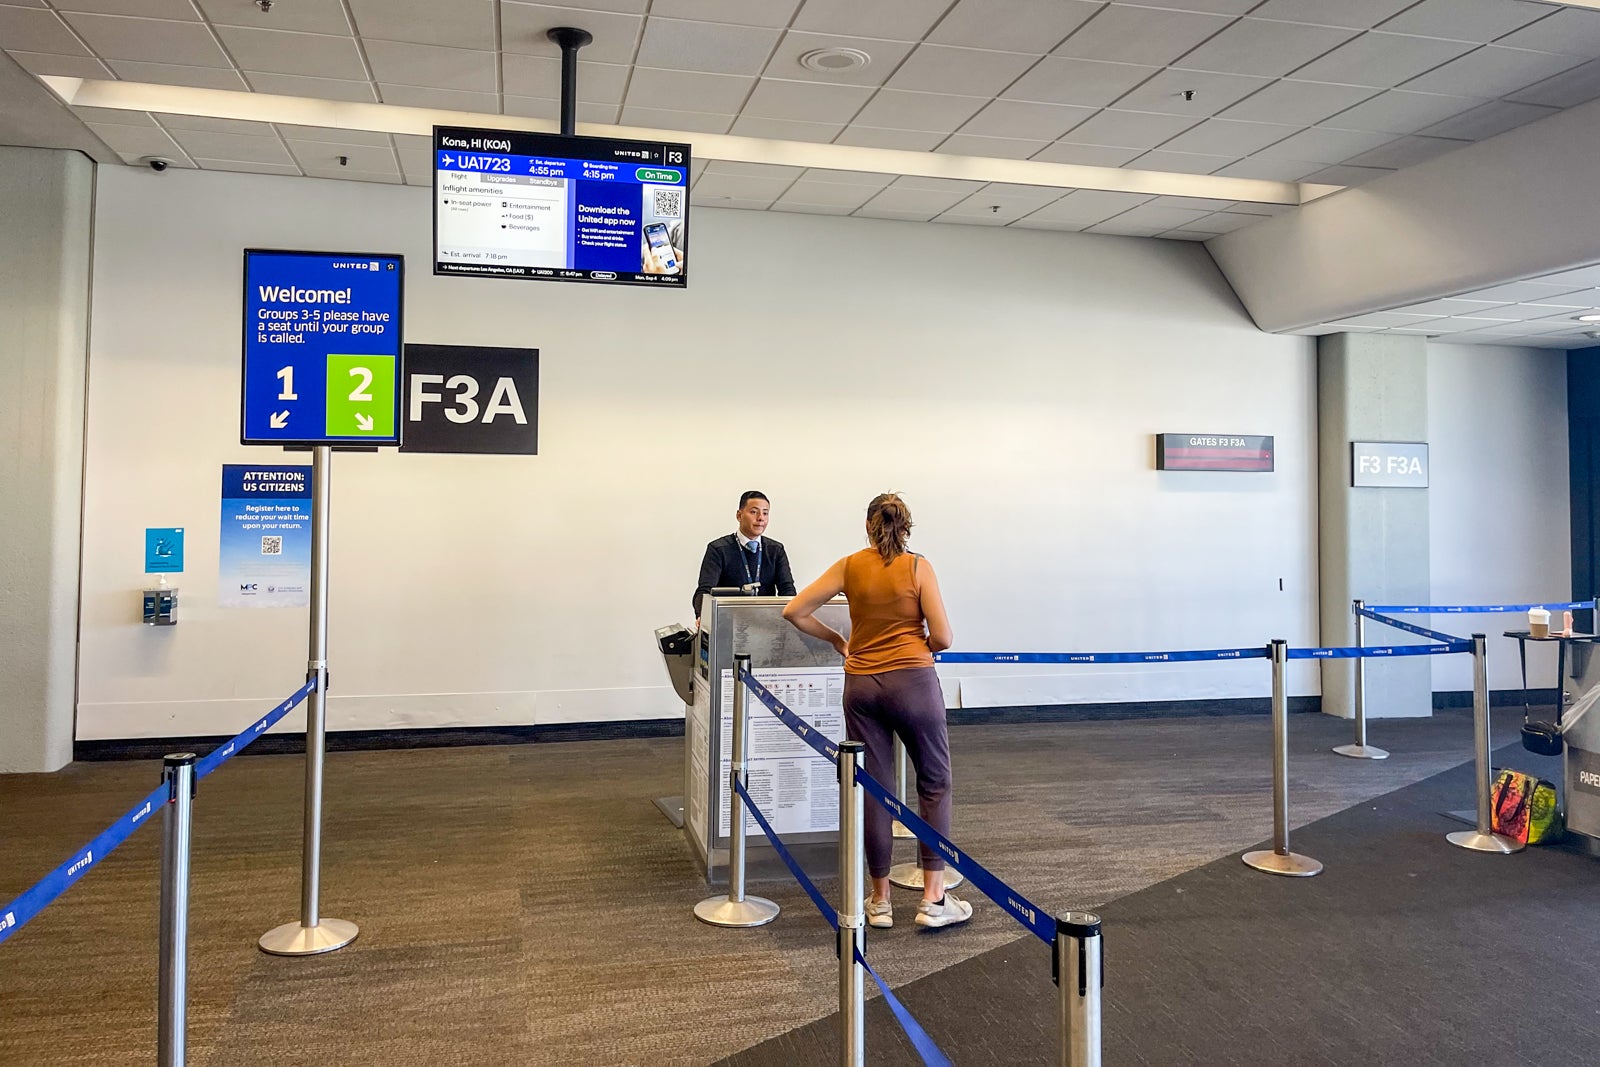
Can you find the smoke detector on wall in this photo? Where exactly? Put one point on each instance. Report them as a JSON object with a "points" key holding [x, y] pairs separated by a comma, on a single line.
{"points": [[834, 60]]}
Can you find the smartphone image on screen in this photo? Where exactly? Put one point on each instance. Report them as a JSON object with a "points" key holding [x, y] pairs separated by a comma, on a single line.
{"points": [[661, 245]]}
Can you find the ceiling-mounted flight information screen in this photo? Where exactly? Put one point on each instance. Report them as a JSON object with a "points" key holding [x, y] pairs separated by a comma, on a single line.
{"points": [[509, 204]]}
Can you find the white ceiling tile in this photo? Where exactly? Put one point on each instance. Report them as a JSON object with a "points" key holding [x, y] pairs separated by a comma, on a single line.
{"points": [[871, 212], [962, 144], [683, 90], [1161, 218], [1460, 324], [1064, 80], [1012, 25], [1297, 102], [932, 201], [1200, 203], [1533, 292], [803, 101], [902, 20], [188, 44], [1384, 60], [1468, 20], [1247, 207], [177, 74], [848, 177], [811, 209], [1016, 200], [963, 186], [30, 30], [232, 146], [1323, 145], [1521, 312], [717, 48], [1087, 155], [1025, 119], [1567, 89], [347, 174], [958, 218], [1129, 129], [1356, 14], [1493, 71], [1227, 222], [1583, 276], [402, 63], [369, 138], [1227, 137], [1140, 35], [1035, 222], [114, 117], [588, 7], [206, 124], [240, 167], [137, 140], [181, 10], [314, 55], [1181, 162], [316, 88], [1487, 120], [306, 16], [1406, 151], [827, 194], [929, 112], [755, 170], [1261, 46], [606, 114], [523, 28], [1218, 7], [786, 129], [743, 12], [444, 99], [1454, 306], [899, 140], [1124, 229], [885, 57], [452, 23], [1570, 31], [44, 63], [1342, 174], [1212, 93], [936, 68], [323, 156], [1382, 320], [1400, 111], [540, 76], [1271, 170]]}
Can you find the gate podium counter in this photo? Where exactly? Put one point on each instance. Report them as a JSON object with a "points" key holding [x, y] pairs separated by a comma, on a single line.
{"points": [[797, 790]]}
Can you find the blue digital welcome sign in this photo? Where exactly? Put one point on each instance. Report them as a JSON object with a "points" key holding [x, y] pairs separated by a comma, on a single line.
{"points": [[512, 204]]}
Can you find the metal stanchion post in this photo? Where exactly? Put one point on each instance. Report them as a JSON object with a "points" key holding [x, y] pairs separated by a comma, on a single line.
{"points": [[1079, 966], [852, 911], [177, 770], [313, 934], [1482, 839], [1280, 860], [900, 785], [1361, 750], [736, 909]]}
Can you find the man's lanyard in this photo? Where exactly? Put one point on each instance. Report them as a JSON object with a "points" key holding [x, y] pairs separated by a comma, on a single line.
{"points": [[744, 557]]}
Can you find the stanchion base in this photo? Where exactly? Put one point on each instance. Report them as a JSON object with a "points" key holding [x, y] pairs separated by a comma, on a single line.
{"points": [[900, 831], [751, 911], [292, 939], [1482, 842], [909, 876], [1361, 751], [672, 808], [1288, 864]]}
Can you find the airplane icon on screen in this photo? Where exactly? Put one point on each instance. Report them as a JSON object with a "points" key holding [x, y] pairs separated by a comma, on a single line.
{"points": [[449, 161]]}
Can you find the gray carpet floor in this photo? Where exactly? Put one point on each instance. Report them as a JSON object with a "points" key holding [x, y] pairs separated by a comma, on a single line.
{"points": [[529, 905]]}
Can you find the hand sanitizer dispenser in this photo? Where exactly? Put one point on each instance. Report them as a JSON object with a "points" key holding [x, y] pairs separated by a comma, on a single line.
{"points": [[160, 603]]}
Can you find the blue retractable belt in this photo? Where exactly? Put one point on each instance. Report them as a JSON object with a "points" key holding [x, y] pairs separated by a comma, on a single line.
{"points": [[1102, 657], [1475, 609], [1381, 651], [223, 753]]}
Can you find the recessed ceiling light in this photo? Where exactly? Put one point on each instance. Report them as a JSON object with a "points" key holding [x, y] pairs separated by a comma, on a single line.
{"points": [[834, 60], [1592, 317]]}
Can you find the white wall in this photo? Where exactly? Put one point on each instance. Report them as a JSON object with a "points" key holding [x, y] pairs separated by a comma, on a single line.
{"points": [[1007, 383], [1499, 499]]}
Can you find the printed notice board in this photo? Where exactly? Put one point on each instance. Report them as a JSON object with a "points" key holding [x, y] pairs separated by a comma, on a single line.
{"points": [[264, 554], [322, 348]]}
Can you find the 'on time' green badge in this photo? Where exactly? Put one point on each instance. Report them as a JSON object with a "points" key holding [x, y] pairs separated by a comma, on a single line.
{"points": [[361, 396]]}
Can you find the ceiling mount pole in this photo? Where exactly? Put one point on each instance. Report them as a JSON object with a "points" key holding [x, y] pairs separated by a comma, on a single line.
{"points": [[569, 40]]}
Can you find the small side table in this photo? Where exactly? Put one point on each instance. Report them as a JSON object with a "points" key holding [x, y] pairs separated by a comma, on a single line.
{"points": [[1522, 637]]}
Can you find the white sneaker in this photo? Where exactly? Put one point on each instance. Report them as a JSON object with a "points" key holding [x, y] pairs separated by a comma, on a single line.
{"points": [[879, 914], [954, 910]]}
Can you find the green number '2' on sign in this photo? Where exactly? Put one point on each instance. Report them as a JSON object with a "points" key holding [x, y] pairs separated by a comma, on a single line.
{"points": [[361, 396]]}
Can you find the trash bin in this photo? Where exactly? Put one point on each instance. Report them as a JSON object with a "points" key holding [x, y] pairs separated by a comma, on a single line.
{"points": [[677, 649]]}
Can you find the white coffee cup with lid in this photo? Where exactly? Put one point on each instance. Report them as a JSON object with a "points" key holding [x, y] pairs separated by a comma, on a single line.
{"points": [[1539, 622]]}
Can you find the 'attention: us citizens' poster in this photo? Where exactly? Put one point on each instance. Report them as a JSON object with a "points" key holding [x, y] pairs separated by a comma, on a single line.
{"points": [[265, 549]]}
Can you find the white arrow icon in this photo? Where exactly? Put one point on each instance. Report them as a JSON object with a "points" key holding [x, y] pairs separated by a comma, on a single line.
{"points": [[279, 420], [365, 422]]}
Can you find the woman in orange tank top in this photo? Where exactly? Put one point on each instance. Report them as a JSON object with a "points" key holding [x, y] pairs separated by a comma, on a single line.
{"points": [[897, 623]]}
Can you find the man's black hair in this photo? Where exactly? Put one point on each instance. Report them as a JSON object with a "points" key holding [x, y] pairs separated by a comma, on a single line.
{"points": [[752, 494]]}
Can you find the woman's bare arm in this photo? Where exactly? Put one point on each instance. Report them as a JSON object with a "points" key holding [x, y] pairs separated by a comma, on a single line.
{"points": [[801, 612], [940, 636]]}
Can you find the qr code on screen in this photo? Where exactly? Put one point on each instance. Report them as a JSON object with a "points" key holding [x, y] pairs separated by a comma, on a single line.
{"points": [[669, 203], [272, 546]]}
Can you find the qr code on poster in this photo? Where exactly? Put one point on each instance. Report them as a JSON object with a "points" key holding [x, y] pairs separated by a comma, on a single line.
{"points": [[669, 203], [272, 546]]}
